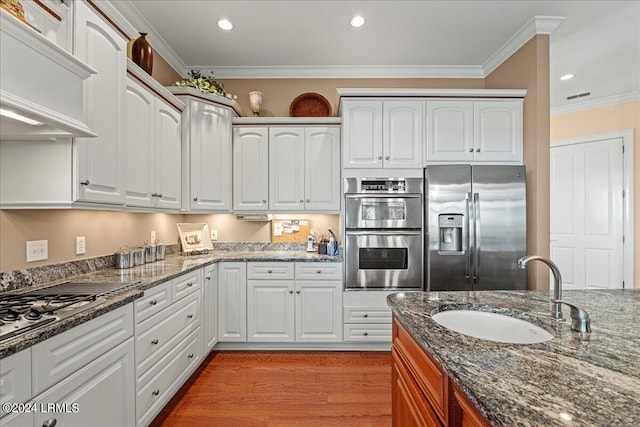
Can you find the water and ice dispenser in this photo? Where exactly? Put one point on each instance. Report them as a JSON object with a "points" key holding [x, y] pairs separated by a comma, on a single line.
{"points": [[450, 226]]}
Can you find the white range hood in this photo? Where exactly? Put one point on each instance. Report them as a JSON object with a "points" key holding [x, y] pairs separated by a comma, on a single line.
{"points": [[40, 81]]}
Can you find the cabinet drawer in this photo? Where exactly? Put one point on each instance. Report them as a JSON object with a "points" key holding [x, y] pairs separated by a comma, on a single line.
{"points": [[62, 355], [269, 270], [367, 314], [15, 378], [186, 285], [319, 270], [157, 386], [154, 300], [160, 333], [358, 332], [428, 375]]}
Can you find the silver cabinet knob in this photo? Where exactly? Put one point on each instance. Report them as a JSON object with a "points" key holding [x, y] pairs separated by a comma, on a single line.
{"points": [[264, 200], [159, 195], [365, 315], [154, 194], [50, 422], [365, 334], [190, 356], [155, 341], [155, 392], [308, 200], [195, 199], [189, 316], [208, 277], [269, 271], [386, 157], [379, 157], [153, 302], [477, 150], [85, 182], [190, 284], [297, 292], [471, 150], [301, 200], [290, 291], [318, 271]]}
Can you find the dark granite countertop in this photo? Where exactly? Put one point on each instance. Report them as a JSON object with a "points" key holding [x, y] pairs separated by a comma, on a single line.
{"points": [[571, 380], [145, 277]]}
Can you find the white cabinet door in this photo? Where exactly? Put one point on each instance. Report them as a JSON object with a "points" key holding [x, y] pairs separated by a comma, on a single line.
{"points": [[140, 145], [318, 311], [167, 154], [402, 134], [17, 419], [498, 131], [322, 168], [286, 168], [250, 169], [232, 301], [362, 134], [101, 160], [210, 307], [449, 131], [208, 135], [103, 392], [270, 310]]}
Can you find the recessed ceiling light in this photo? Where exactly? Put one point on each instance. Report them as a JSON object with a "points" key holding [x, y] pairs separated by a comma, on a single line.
{"points": [[566, 77], [225, 24], [357, 21]]}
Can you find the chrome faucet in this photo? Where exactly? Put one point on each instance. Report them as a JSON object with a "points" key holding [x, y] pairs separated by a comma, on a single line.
{"points": [[579, 318]]}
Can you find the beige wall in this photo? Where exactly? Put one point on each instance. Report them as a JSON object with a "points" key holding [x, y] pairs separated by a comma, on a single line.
{"points": [[529, 68], [601, 120], [106, 232], [161, 71]]}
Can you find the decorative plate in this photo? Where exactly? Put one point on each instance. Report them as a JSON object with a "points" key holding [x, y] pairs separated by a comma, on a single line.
{"points": [[310, 104]]}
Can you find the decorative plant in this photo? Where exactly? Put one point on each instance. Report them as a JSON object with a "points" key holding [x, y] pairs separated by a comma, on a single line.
{"points": [[205, 84]]}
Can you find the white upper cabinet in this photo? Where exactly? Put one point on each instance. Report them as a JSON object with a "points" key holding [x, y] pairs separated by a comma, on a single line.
{"points": [[250, 168], [473, 131], [101, 167], [322, 168], [286, 168], [167, 155], [207, 144], [382, 134]]}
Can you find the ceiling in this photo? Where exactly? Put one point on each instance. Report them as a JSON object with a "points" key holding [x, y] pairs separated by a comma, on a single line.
{"points": [[597, 41]]}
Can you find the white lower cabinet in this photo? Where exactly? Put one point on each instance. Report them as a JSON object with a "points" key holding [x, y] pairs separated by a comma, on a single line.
{"points": [[17, 419], [281, 308], [210, 307], [232, 302], [367, 317]]}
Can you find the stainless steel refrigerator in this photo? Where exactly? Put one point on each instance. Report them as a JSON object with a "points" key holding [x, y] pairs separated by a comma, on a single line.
{"points": [[475, 227]]}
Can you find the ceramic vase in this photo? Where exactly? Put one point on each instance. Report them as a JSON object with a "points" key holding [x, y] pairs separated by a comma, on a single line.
{"points": [[142, 54], [255, 102]]}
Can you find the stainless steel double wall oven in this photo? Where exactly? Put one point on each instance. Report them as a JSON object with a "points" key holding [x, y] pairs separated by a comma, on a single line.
{"points": [[383, 233]]}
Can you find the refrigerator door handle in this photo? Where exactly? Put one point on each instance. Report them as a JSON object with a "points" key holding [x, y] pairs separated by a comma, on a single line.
{"points": [[476, 236], [469, 245]]}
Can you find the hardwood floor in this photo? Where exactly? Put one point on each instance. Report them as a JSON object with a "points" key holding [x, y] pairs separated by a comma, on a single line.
{"points": [[278, 389]]}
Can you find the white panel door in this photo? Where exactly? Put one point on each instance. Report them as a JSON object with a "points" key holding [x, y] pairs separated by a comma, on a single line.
{"points": [[101, 159], [402, 134], [139, 145], [449, 131], [497, 131], [362, 133], [250, 169], [232, 301], [587, 214], [168, 152], [286, 168], [318, 311], [270, 311], [210, 307], [322, 168]]}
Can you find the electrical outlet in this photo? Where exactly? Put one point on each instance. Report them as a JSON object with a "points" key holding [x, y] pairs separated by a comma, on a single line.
{"points": [[37, 250], [152, 238], [214, 234], [81, 245]]}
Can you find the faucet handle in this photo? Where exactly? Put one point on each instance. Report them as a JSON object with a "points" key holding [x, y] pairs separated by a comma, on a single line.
{"points": [[580, 321]]}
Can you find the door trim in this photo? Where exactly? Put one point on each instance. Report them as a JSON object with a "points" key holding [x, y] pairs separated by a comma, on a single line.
{"points": [[627, 185]]}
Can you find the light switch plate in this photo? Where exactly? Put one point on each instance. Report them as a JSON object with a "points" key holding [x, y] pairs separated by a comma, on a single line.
{"points": [[37, 250], [81, 245], [214, 234], [152, 237]]}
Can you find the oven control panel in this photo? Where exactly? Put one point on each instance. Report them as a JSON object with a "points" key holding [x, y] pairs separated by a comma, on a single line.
{"points": [[383, 185]]}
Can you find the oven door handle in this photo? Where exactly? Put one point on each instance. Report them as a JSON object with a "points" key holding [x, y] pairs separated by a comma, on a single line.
{"points": [[383, 233]]}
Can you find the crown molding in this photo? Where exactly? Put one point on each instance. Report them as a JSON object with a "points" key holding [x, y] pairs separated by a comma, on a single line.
{"points": [[136, 21], [596, 103], [339, 71], [449, 93], [536, 25]]}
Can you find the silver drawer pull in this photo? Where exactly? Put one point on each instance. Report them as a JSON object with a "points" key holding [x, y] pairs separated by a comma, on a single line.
{"points": [[290, 292], [51, 422], [155, 392], [269, 271], [297, 292], [471, 150], [85, 182], [365, 334], [208, 277], [190, 284], [190, 356], [189, 316], [195, 199], [477, 150], [155, 341], [365, 315], [153, 302]]}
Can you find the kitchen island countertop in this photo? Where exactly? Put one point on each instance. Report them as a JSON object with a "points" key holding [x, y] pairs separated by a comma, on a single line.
{"points": [[145, 277], [571, 380]]}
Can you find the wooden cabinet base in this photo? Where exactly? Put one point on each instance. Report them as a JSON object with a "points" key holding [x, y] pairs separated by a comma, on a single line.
{"points": [[423, 394]]}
